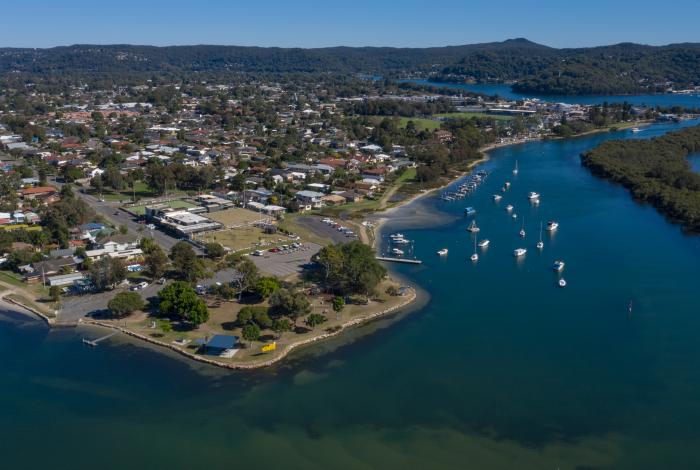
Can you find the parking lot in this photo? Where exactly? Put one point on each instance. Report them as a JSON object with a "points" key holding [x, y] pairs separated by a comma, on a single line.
{"points": [[324, 230], [78, 306], [286, 263]]}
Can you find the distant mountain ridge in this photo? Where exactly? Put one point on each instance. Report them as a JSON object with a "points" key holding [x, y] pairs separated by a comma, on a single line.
{"points": [[619, 68]]}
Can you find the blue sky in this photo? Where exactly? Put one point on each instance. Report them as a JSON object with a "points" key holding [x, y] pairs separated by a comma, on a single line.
{"points": [[312, 23]]}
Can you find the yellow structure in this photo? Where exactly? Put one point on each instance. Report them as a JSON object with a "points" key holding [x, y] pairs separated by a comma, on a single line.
{"points": [[269, 347]]}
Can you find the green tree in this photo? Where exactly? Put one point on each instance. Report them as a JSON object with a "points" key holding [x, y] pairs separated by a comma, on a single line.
{"points": [[185, 262], [262, 318], [246, 276], [155, 261], [266, 286], [107, 272], [214, 250], [55, 293], [315, 319], [245, 316], [350, 268], [165, 325], [125, 303], [281, 325], [179, 299], [338, 304], [289, 304], [251, 332]]}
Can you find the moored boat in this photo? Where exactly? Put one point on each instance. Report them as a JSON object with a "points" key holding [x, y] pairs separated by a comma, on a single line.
{"points": [[519, 252], [484, 243], [473, 227], [558, 266], [552, 226], [442, 252], [562, 282]]}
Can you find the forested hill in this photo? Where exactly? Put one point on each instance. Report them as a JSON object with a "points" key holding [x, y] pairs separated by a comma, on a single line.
{"points": [[656, 171], [619, 69], [184, 59], [622, 68]]}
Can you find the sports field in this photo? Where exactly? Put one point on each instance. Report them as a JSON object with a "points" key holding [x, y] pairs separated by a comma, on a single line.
{"points": [[236, 217]]}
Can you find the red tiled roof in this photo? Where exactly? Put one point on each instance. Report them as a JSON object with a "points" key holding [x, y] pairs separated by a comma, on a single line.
{"points": [[38, 190]]}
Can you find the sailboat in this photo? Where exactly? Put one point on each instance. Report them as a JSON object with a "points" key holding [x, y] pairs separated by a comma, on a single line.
{"points": [[522, 229], [515, 170], [475, 256], [473, 227], [540, 244]]}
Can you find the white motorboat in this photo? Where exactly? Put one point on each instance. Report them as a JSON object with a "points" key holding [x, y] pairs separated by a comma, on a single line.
{"points": [[540, 244], [636, 129], [552, 226], [558, 266], [400, 241], [509, 207], [475, 255], [396, 235], [507, 185], [397, 251], [562, 282], [522, 229], [533, 195], [519, 252], [473, 227], [484, 243], [497, 197], [515, 216], [442, 252]]}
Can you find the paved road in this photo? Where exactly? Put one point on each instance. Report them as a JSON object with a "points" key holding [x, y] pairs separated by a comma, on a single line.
{"points": [[285, 264], [112, 212]]}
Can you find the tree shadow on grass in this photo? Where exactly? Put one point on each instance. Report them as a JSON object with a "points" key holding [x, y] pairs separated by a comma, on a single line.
{"points": [[229, 325]]}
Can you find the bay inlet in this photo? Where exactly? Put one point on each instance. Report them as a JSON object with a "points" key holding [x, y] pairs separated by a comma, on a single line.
{"points": [[501, 369]]}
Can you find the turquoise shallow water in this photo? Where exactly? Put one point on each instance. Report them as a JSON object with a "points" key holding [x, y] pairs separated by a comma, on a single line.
{"points": [[500, 369], [505, 91]]}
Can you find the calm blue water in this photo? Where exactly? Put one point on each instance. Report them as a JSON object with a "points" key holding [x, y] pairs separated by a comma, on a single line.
{"points": [[505, 91], [501, 369]]}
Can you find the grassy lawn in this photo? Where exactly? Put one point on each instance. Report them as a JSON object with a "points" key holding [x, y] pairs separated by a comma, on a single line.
{"points": [[428, 124], [12, 278], [497, 117], [223, 321], [421, 123], [245, 238]]}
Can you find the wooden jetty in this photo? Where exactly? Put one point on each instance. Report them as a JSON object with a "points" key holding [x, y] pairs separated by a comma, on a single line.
{"points": [[94, 342], [399, 260]]}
